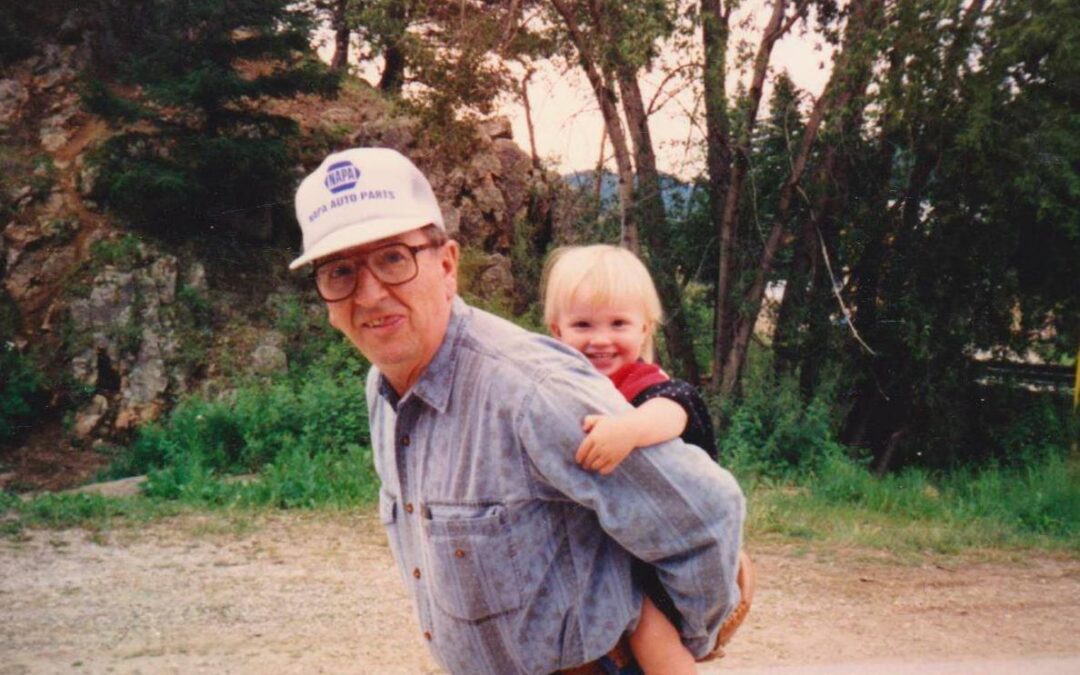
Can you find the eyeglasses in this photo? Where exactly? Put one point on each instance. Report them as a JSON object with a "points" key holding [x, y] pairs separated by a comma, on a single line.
{"points": [[392, 265]]}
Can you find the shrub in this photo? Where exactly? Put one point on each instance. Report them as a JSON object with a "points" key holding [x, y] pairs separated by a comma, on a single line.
{"points": [[124, 252], [305, 432], [771, 431], [20, 389]]}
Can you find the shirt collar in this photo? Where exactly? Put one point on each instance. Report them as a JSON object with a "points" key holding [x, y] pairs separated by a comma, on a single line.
{"points": [[437, 380]]}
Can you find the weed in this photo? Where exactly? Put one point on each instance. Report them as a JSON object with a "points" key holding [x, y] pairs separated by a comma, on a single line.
{"points": [[21, 388], [306, 432], [64, 510], [43, 177], [124, 252]]}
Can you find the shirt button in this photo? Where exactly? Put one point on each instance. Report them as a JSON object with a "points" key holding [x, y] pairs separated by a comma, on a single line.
{"points": [[408, 508], [459, 553], [416, 573], [405, 440], [427, 636]]}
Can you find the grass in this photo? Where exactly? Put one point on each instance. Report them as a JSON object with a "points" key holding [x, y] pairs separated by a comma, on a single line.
{"points": [[908, 515], [1034, 507], [300, 440], [88, 511]]}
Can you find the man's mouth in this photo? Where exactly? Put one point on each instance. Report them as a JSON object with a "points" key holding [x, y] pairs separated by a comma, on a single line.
{"points": [[380, 322]]}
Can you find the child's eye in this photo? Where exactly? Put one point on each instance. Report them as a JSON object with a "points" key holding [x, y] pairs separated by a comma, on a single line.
{"points": [[580, 324]]}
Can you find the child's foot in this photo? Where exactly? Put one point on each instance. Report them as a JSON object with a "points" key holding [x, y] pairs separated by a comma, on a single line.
{"points": [[745, 580]]}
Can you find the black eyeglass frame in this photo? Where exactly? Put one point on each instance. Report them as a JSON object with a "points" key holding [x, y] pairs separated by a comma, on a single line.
{"points": [[413, 250]]}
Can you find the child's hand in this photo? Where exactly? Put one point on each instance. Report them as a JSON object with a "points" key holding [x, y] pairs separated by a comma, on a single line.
{"points": [[609, 441]]}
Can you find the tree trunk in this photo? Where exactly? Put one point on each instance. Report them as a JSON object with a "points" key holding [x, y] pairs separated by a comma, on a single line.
{"points": [[528, 117], [340, 23], [725, 323], [715, 32], [393, 75], [600, 79], [649, 202], [797, 290]]}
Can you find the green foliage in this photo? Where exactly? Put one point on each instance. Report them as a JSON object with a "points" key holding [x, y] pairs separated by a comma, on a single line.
{"points": [[1041, 498], [123, 252], [205, 70], [43, 177], [21, 388], [99, 99], [306, 433], [458, 63], [915, 511], [310, 341], [193, 317], [185, 184], [65, 510], [771, 432]]}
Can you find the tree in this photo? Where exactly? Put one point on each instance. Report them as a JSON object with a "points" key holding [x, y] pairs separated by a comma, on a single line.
{"points": [[971, 245], [198, 74], [613, 42]]}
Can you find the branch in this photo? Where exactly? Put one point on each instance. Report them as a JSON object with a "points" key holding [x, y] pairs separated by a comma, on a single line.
{"points": [[839, 298], [798, 14], [652, 107]]}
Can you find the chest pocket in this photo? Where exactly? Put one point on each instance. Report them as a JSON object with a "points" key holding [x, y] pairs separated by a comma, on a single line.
{"points": [[470, 554]]}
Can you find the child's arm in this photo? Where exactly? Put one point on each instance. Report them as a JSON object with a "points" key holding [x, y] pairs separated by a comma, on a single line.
{"points": [[611, 437]]}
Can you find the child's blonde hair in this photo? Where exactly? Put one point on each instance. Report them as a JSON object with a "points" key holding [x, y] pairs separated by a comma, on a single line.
{"points": [[600, 275]]}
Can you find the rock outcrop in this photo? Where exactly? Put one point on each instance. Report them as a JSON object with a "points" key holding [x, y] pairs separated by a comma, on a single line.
{"points": [[118, 325]]}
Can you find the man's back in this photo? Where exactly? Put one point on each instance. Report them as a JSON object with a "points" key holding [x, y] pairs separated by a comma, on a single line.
{"points": [[508, 547]]}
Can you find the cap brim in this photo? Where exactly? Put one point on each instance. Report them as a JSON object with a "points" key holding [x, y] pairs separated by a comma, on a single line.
{"points": [[359, 234]]}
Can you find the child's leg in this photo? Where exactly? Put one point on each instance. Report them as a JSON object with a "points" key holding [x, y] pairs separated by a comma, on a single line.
{"points": [[657, 647]]}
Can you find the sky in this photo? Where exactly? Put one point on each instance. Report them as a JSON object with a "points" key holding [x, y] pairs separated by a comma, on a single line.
{"points": [[569, 125], [568, 122]]}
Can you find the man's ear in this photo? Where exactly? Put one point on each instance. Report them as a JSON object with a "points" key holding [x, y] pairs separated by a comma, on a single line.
{"points": [[451, 256]]}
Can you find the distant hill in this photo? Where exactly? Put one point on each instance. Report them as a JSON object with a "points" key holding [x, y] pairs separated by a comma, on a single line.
{"points": [[676, 192]]}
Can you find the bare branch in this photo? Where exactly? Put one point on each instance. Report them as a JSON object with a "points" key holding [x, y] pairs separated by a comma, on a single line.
{"points": [[836, 286]]}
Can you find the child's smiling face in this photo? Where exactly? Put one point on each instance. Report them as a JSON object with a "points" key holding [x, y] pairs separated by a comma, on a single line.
{"points": [[610, 336]]}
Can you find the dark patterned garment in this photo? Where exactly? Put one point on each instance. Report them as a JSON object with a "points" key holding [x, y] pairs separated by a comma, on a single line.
{"points": [[699, 428], [640, 382], [517, 560]]}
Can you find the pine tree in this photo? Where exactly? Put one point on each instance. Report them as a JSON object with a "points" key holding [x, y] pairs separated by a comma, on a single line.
{"points": [[198, 73]]}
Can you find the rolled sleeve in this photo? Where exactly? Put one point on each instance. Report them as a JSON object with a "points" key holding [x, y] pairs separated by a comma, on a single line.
{"points": [[667, 504]]}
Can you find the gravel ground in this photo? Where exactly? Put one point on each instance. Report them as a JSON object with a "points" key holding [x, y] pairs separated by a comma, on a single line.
{"points": [[303, 593]]}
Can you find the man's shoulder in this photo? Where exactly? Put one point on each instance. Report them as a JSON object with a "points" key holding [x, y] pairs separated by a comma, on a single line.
{"points": [[501, 343]]}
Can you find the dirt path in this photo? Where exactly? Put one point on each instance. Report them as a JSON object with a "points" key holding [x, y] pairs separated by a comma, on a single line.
{"points": [[319, 594]]}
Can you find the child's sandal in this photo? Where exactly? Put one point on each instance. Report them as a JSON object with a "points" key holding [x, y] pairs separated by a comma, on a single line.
{"points": [[745, 580]]}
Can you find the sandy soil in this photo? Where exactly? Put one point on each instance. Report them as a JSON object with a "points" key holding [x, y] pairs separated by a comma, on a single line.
{"points": [[296, 593]]}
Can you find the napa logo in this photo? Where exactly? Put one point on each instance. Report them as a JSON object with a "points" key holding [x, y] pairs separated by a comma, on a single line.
{"points": [[341, 176]]}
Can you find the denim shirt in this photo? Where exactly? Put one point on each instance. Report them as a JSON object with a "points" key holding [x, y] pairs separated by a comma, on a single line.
{"points": [[517, 559]]}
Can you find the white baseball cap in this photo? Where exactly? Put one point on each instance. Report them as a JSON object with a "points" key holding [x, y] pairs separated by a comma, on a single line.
{"points": [[361, 195]]}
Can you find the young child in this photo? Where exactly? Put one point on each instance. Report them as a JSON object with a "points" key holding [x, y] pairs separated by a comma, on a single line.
{"points": [[601, 300]]}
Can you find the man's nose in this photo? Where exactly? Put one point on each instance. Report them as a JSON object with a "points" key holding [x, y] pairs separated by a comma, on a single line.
{"points": [[369, 290]]}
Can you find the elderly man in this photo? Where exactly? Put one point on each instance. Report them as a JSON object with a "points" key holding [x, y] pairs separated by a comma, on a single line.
{"points": [[518, 560]]}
